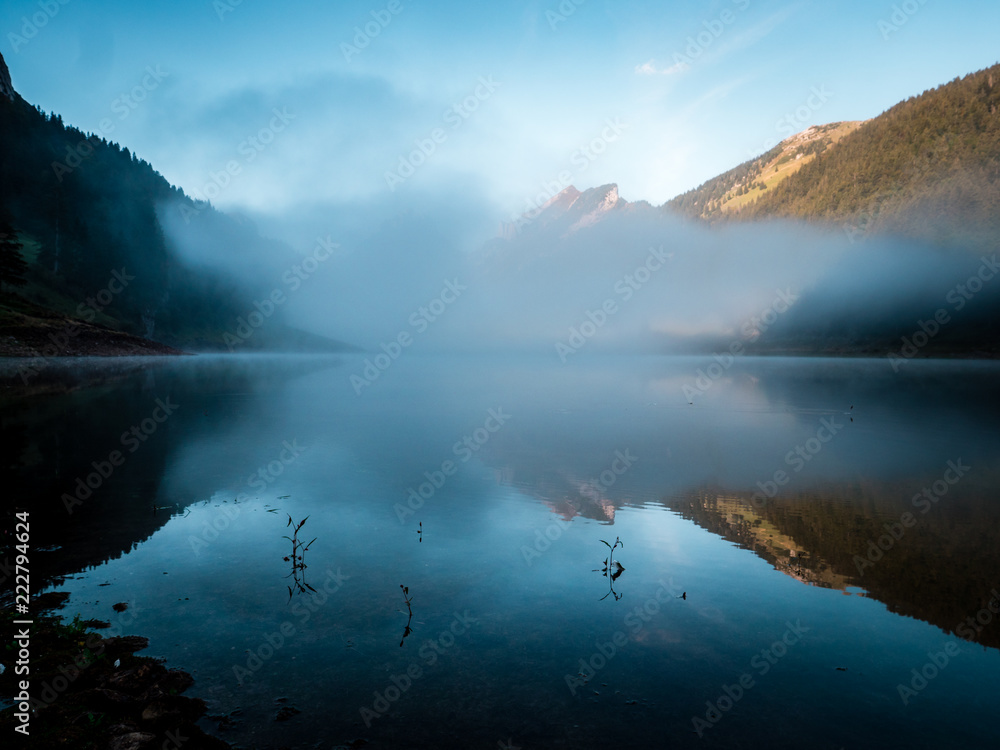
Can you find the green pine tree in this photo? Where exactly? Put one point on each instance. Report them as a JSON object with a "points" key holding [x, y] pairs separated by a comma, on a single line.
{"points": [[12, 264]]}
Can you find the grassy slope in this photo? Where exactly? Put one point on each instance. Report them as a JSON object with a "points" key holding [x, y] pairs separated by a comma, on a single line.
{"points": [[790, 160], [927, 168], [740, 186]]}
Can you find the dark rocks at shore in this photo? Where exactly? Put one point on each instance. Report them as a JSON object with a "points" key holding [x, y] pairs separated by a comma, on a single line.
{"points": [[89, 692], [69, 338], [30, 330]]}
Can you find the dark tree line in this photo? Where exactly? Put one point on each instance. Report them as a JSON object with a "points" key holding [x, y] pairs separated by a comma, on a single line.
{"points": [[89, 208], [12, 264]]}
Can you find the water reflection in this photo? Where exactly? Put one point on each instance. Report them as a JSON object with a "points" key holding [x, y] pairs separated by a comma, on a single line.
{"points": [[409, 612], [612, 569], [584, 442], [783, 473], [939, 570], [101, 489], [298, 559]]}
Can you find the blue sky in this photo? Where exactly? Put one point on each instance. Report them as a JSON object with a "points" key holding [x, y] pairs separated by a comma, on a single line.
{"points": [[654, 96]]}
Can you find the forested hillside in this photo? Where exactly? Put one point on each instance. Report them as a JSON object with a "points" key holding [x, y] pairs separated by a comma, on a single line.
{"points": [[740, 186], [927, 168], [86, 214]]}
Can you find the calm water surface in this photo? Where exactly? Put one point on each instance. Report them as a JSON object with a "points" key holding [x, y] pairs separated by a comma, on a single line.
{"points": [[755, 608]]}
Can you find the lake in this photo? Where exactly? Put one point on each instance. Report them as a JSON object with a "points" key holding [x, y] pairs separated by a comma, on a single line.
{"points": [[806, 552]]}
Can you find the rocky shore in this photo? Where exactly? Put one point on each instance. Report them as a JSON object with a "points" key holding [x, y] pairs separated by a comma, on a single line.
{"points": [[27, 330], [90, 692]]}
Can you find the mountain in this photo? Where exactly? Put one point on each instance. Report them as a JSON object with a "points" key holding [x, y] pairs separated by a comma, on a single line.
{"points": [[927, 168], [109, 242], [824, 543], [740, 186], [6, 86], [923, 178], [570, 210]]}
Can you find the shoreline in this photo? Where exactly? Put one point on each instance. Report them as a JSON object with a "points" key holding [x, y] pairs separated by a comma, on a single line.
{"points": [[93, 692], [30, 330], [73, 338]]}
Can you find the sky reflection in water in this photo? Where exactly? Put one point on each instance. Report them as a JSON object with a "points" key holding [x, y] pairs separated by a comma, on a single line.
{"points": [[505, 574]]}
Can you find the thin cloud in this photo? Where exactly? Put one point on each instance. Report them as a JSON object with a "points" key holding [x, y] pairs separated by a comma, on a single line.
{"points": [[750, 36], [649, 68]]}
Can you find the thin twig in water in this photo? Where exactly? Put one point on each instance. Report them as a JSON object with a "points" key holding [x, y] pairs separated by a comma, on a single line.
{"points": [[406, 598], [297, 558]]}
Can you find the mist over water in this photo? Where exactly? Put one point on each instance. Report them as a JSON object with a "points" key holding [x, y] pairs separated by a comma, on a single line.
{"points": [[639, 281], [485, 483], [505, 406]]}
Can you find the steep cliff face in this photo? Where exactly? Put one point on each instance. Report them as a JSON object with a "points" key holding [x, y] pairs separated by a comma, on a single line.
{"points": [[6, 87]]}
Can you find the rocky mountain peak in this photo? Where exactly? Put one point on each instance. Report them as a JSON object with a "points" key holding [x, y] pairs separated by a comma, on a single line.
{"points": [[569, 209], [6, 87]]}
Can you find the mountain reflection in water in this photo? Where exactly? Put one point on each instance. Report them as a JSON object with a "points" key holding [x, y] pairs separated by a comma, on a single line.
{"points": [[500, 530]]}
